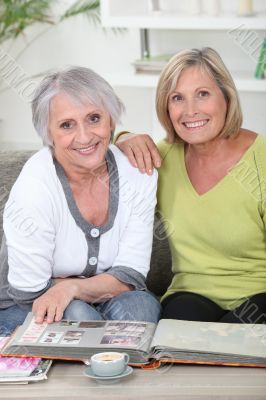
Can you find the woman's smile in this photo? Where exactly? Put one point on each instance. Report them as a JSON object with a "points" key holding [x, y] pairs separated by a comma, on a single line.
{"points": [[195, 125], [87, 150]]}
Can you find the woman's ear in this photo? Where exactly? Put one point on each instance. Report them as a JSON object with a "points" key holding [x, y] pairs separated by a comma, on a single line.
{"points": [[50, 142], [112, 135], [112, 131]]}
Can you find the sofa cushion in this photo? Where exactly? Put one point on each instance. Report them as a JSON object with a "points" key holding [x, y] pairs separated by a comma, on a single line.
{"points": [[160, 274], [11, 163]]}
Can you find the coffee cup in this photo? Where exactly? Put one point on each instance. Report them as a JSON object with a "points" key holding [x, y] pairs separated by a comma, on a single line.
{"points": [[109, 363]]}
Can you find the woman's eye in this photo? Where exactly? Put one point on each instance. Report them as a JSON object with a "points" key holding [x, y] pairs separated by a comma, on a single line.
{"points": [[94, 118], [203, 93], [66, 125], [177, 97]]}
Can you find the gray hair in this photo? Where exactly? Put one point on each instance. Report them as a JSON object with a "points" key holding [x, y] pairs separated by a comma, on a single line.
{"points": [[80, 83]]}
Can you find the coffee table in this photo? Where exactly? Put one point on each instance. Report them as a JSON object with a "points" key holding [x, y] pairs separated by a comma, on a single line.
{"points": [[66, 381]]}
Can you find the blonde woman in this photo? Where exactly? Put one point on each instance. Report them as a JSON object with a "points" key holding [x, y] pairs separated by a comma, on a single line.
{"points": [[212, 188]]}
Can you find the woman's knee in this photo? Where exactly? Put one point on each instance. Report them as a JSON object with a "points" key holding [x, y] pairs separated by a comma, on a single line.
{"points": [[133, 306], [10, 318], [252, 311], [81, 311], [191, 306]]}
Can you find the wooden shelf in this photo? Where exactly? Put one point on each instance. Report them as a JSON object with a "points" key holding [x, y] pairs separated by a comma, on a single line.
{"points": [[244, 81]]}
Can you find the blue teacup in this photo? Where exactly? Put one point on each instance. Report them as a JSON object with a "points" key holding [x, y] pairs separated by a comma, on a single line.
{"points": [[109, 363]]}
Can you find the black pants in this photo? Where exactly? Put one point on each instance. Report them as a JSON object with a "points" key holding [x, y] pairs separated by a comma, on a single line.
{"points": [[194, 307]]}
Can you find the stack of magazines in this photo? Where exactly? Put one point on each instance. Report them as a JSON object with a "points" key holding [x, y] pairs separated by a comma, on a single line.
{"points": [[152, 65], [22, 370]]}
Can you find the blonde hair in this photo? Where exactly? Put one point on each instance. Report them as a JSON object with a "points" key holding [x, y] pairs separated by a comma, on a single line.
{"points": [[210, 61]]}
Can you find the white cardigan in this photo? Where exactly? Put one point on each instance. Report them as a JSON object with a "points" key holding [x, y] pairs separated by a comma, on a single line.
{"points": [[47, 237]]}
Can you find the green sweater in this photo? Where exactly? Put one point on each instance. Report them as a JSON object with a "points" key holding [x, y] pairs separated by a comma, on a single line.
{"points": [[217, 239]]}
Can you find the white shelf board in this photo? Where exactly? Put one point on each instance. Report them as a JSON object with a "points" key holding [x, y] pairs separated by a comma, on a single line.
{"points": [[200, 22], [244, 81], [132, 80]]}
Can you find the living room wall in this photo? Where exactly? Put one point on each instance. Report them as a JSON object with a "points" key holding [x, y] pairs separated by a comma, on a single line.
{"points": [[78, 41], [74, 42]]}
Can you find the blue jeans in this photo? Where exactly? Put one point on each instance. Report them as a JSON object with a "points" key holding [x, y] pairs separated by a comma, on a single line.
{"points": [[133, 305], [11, 317]]}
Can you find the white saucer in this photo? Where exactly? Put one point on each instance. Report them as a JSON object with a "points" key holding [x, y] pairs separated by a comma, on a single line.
{"points": [[108, 379]]}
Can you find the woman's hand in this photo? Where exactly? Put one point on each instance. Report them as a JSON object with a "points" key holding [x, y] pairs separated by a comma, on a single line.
{"points": [[53, 303], [140, 150]]}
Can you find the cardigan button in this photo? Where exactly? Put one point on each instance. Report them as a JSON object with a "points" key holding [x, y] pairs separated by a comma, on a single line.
{"points": [[93, 260], [95, 232]]}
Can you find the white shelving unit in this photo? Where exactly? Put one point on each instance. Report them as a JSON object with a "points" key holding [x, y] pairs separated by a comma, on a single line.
{"points": [[243, 81], [167, 21], [174, 16], [128, 14]]}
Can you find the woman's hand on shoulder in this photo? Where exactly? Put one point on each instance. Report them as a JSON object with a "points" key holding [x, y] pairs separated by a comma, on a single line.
{"points": [[140, 150]]}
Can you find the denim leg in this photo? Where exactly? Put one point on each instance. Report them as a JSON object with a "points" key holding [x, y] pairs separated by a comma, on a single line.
{"points": [[133, 306], [11, 317], [79, 310]]}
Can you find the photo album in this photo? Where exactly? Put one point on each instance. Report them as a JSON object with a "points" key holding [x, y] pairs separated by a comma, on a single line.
{"points": [[146, 343]]}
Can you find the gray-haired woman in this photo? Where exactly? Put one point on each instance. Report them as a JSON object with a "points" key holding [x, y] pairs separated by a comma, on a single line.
{"points": [[80, 244]]}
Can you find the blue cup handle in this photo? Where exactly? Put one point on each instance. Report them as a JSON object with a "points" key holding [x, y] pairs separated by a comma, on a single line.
{"points": [[126, 357]]}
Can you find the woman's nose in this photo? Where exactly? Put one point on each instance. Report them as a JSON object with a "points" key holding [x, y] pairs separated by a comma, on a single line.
{"points": [[82, 133], [191, 108]]}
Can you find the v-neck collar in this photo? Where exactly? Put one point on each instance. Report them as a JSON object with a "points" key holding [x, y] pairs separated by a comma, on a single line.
{"points": [[113, 196], [222, 181]]}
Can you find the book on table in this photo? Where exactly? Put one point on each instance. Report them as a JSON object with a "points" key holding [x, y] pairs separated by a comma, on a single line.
{"points": [[152, 64], [22, 369], [146, 343]]}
